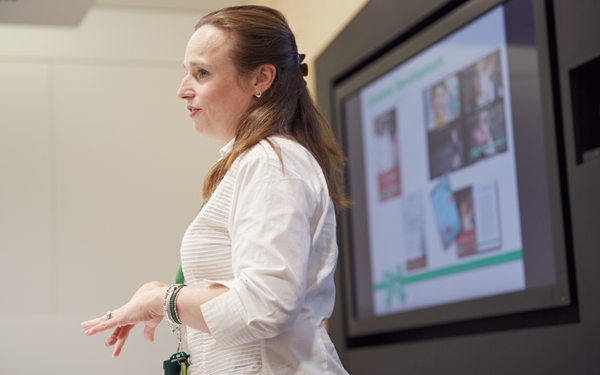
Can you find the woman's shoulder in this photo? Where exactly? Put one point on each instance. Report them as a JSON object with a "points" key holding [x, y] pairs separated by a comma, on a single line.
{"points": [[274, 148], [283, 154]]}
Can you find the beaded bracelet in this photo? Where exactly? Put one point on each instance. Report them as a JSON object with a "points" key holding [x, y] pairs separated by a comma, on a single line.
{"points": [[170, 308], [174, 315]]}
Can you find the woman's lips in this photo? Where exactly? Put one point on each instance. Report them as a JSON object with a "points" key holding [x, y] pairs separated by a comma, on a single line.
{"points": [[192, 110]]}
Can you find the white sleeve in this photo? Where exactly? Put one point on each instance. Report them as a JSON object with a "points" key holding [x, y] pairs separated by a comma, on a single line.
{"points": [[271, 240]]}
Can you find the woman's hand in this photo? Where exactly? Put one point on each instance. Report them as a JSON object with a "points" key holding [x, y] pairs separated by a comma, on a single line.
{"points": [[146, 306]]}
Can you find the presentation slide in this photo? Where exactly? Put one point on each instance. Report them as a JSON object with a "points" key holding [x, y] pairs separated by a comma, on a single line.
{"points": [[440, 177]]}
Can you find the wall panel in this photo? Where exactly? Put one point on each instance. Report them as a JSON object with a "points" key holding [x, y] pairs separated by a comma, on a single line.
{"points": [[129, 174], [26, 239]]}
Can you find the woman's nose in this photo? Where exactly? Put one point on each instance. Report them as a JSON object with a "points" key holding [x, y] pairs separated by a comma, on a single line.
{"points": [[185, 90]]}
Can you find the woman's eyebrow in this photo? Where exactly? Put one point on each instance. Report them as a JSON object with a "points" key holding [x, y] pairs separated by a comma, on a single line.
{"points": [[191, 63], [199, 62]]}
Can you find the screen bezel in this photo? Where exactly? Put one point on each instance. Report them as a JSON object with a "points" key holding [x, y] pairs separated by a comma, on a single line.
{"points": [[545, 297]]}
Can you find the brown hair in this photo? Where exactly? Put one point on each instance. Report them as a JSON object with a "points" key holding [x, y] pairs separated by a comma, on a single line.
{"points": [[260, 35]]}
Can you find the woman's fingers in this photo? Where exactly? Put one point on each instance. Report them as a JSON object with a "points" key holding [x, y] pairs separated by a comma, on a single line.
{"points": [[121, 338], [92, 323], [100, 325], [118, 332], [145, 307], [113, 338], [150, 328]]}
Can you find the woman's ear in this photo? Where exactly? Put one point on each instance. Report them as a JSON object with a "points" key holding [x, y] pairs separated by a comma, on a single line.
{"points": [[264, 76]]}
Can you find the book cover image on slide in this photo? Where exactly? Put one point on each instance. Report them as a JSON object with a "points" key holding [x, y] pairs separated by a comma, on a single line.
{"points": [[482, 83], [447, 149], [413, 217], [480, 224], [442, 103], [388, 156], [487, 216], [486, 133], [466, 241], [446, 211]]}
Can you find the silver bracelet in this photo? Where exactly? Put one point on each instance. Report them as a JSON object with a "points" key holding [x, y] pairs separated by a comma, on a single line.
{"points": [[169, 306]]}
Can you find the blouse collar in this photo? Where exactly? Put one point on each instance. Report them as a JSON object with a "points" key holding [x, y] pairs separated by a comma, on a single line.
{"points": [[227, 148]]}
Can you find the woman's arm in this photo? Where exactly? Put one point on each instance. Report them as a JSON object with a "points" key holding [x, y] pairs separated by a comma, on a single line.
{"points": [[271, 235], [146, 306], [189, 301]]}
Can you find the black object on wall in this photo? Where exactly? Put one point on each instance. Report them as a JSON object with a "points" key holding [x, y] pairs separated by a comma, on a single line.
{"points": [[556, 341], [585, 96]]}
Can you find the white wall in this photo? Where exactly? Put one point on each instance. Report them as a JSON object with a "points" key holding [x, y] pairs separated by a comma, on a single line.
{"points": [[101, 173]]}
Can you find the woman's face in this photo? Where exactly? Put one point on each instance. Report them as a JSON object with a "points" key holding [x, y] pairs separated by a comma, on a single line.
{"points": [[215, 93], [439, 100]]}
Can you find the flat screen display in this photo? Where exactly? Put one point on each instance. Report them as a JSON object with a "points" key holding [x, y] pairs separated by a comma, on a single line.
{"points": [[447, 170]]}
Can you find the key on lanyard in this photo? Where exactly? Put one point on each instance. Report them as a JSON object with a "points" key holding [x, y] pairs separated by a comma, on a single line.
{"points": [[179, 362]]}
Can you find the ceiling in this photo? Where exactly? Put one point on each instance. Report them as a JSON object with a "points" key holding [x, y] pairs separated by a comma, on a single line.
{"points": [[71, 12], [44, 12], [209, 5]]}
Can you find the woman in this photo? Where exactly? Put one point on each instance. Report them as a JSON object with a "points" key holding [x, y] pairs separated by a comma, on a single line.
{"points": [[259, 257]]}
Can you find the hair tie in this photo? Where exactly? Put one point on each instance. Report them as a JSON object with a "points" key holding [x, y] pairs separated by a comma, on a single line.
{"points": [[303, 66]]}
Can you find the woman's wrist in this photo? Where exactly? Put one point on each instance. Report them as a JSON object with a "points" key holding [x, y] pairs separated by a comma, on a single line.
{"points": [[158, 298]]}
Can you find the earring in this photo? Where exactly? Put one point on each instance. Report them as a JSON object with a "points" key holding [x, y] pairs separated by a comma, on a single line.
{"points": [[258, 94]]}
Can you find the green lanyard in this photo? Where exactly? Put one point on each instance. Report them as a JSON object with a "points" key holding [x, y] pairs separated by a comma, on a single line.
{"points": [[180, 279]]}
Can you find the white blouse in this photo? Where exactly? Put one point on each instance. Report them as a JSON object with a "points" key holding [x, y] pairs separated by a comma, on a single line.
{"points": [[268, 234]]}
